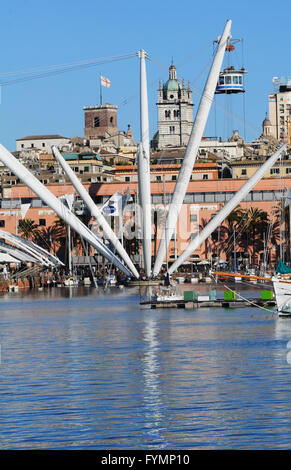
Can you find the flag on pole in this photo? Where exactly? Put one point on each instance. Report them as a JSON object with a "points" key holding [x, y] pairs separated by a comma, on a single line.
{"points": [[113, 206], [23, 209], [105, 81]]}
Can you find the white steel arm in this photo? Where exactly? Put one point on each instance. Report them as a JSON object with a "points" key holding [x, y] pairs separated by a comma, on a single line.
{"points": [[192, 149]]}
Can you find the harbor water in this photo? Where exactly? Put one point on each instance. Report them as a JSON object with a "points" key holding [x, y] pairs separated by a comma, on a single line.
{"points": [[86, 369]]}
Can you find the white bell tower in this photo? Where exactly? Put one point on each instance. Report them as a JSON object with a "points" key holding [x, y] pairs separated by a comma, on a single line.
{"points": [[175, 112]]}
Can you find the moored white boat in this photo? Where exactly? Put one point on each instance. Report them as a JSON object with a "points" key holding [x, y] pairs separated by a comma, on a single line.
{"points": [[282, 289], [167, 295], [112, 281], [71, 281]]}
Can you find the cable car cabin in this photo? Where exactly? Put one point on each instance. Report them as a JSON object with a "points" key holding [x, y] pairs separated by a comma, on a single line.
{"points": [[231, 81]]}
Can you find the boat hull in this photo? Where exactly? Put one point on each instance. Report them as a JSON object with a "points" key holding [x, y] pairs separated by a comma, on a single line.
{"points": [[282, 291]]}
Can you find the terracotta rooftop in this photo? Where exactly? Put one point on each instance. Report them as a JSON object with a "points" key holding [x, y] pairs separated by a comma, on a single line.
{"points": [[42, 137]]}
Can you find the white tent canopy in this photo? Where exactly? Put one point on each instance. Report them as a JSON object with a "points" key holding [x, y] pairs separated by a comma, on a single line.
{"points": [[5, 258]]}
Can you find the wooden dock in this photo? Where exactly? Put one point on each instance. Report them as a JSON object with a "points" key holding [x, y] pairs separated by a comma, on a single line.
{"points": [[153, 304]]}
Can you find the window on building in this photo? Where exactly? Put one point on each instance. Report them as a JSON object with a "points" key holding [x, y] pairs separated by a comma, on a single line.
{"points": [[22, 146], [177, 113], [243, 171], [288, 170], [209, 197], [275, 171], [96, 121], [2, 223], [174, 177], [86, 169], [167, 114], [111, 121], [205, 177], [159, 178], [172, 129], [43, 144], [32, 146], [193, 217], [42, 222], [127, 179]]}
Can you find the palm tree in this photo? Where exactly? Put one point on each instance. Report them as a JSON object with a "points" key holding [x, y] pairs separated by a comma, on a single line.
{"points": [[202, 225], [257, 224], [28, 229], [235, 221], [47, 237]]}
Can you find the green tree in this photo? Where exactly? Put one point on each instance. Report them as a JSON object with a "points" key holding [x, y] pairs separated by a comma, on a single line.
{"points": [[257, 225], [27, 228]]}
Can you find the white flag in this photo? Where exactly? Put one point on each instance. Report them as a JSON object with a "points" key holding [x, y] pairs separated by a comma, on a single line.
{"points": [[113, 206], [69, 199], [105, 81], [23, 209]]}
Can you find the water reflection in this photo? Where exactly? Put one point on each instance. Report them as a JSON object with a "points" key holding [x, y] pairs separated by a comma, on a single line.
{"points": [[84, 368], [152, 389]]}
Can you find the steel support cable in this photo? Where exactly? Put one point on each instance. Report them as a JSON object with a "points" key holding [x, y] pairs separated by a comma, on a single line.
{"points": [[62, 69], [100, 60]]}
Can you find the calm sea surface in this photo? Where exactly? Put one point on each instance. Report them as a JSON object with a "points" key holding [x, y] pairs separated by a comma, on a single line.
{"points": [[87, 369]]}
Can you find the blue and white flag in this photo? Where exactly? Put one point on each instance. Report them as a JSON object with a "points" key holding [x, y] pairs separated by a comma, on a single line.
{"points": [[113, 207]]}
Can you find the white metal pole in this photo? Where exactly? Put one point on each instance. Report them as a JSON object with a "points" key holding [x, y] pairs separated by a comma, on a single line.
{"points": [[60, 209], [83, 193], [192, 149], [69, 250], [144, 181], [227, 209]]}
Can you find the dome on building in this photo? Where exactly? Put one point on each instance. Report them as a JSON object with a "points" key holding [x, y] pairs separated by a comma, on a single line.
{"points": [[172, 85], [266, 121]]}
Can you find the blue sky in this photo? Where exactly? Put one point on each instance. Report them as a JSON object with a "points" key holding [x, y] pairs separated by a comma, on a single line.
{"points": [[43, 33]]}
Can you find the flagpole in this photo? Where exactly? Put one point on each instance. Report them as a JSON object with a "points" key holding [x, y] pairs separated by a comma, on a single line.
{"points": [[100, 92]]}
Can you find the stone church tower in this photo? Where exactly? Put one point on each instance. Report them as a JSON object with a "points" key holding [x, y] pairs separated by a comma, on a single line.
{"points": [[100, 121], [267, 127], [175, 112]]}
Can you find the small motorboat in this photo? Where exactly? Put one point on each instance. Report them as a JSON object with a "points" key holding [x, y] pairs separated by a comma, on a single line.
{"points": [[71, 281], [168, 295]]}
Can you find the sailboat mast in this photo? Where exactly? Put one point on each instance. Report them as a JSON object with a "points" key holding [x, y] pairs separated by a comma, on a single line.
{"points": [[69, 250]]}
